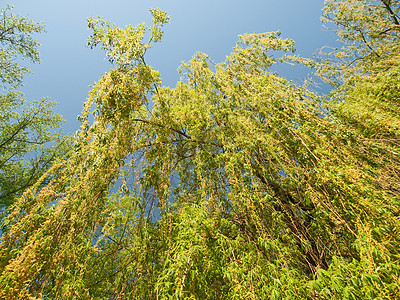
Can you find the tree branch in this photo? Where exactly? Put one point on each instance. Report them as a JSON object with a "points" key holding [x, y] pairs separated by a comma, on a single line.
{"points": [[389, 9]]}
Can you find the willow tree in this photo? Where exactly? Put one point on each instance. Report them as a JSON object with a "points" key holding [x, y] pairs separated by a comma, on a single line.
{"points": [[29, 139], [367, 71], [235, 184]]}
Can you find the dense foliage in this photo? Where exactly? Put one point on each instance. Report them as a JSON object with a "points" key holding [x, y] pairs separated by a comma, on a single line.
{"points": [[29, 142], [235, 184]]}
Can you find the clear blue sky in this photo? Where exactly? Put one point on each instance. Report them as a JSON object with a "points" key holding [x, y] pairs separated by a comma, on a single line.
{"points": [[68, 68]]}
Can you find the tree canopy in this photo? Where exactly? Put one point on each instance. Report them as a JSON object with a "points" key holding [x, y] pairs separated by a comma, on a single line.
{"points": [[235, 184], [29, 139]]}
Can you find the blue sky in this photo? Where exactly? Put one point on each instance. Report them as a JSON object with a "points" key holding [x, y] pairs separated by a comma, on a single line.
{"points": [[68, 68]]}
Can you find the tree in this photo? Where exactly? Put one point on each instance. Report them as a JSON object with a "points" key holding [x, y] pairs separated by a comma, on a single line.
{"points": [[369, 72], [235, 184], [369, 30], [28, 140]]}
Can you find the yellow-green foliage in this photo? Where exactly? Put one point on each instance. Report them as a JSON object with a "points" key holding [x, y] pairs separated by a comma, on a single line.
{"points": [[29, 137], [235, 184]]}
